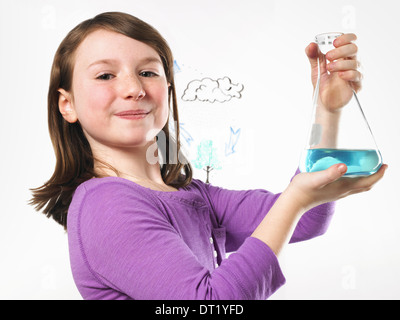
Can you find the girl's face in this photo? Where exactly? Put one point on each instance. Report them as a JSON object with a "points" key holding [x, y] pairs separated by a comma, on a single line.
{"points": [[119, 91]]}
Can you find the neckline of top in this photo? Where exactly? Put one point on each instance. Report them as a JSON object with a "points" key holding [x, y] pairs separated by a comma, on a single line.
{"points": [[183, 194]]}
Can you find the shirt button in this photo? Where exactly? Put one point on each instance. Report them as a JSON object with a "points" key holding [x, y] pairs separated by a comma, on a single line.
{"points": [[211, 240], [215, 254]]}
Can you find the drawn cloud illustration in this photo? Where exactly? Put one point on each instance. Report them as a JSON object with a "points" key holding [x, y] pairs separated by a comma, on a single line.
{"points": [[209, 90]]}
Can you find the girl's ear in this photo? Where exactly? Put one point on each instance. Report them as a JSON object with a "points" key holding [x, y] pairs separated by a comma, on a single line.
{"points": [[66, 107]]}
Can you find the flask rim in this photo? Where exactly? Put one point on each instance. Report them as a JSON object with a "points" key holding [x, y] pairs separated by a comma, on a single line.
{"points": [[321, 37]]}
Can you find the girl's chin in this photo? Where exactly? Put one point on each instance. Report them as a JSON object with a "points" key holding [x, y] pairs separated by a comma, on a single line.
{"points": [[134, 143]]}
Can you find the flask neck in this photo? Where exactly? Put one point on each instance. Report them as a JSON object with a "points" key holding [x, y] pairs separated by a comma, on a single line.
{"points": [[325, 41]]}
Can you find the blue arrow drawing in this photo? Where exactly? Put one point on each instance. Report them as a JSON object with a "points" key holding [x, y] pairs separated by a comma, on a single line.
{"points": [[185, 134], [176, 67], [233, 140]]}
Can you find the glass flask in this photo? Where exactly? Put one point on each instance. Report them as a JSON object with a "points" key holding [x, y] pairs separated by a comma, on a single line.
{"points": [[339, 131]]}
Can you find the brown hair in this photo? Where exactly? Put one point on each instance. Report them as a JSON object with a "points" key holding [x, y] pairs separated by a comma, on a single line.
{"points": [[74, 158]]}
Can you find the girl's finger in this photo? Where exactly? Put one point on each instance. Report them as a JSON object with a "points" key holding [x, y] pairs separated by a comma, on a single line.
{"points": [[322, 178], [344, 39], [361, 184], [343, 65], [353, 77], [350, 75], [346, 51], [316, 59]]}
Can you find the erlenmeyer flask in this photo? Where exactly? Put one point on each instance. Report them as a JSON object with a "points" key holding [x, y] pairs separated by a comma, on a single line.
{"points": [[339, 131]]}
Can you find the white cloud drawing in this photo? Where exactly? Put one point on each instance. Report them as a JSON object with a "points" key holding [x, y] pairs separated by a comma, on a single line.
{"points": [[209, 90]]}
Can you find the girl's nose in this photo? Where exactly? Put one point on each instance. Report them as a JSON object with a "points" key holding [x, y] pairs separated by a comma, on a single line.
{"points": [[133, 88]]}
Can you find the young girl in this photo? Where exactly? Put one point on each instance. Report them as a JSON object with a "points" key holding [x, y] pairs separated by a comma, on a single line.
{"points": [[142, 229]]}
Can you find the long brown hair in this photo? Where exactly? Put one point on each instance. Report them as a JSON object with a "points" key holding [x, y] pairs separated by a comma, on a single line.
{"points": [[74, 158]]}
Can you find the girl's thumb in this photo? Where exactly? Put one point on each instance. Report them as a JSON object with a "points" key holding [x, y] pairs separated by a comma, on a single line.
{"points": [[331, 174], [312, 54]]}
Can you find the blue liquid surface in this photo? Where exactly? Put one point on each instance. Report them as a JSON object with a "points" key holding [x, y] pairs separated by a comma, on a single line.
{"points": [[358, 162]]}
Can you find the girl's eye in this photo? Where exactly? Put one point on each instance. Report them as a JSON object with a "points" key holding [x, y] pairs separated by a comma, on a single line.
{"points": [[148, 74], [105, 76]]}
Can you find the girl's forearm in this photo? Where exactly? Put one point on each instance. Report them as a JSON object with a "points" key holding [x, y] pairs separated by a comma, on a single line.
{"points": [[278, 225], [329, 124]]}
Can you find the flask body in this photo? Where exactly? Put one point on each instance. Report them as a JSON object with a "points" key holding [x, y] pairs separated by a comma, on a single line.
{"points": [[359, 162], [339, 131]]}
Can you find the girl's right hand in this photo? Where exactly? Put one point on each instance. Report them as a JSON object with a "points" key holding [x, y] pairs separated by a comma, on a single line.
{"points": [[315, 188], [336, 86]]}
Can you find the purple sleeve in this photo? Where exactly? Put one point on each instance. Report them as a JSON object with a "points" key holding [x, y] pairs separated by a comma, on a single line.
{"points": [[134, 249], [240, 212], [313, 223]]}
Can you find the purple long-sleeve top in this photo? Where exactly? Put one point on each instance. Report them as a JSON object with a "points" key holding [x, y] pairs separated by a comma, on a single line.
{"points": [[131, 242]]}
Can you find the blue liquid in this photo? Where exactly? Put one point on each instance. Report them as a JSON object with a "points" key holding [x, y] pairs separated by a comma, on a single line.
{"points": [[358, 162]]}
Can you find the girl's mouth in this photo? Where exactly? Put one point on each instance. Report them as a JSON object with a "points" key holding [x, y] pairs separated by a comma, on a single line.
{"points": [[133, 114]]}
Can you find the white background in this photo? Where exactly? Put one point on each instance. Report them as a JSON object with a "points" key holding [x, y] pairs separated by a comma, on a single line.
{"points": [[259, 44]]}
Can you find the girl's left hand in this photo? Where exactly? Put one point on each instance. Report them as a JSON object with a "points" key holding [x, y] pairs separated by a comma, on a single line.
{"points": [[336, 87]]}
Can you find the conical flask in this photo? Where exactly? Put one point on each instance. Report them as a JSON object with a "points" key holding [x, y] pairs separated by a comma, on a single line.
{"points": [[339, 131]]}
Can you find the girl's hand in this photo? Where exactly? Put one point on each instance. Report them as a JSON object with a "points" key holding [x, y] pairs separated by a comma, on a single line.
{"points": [[336, 87], [305, 191], [312, 189]]}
